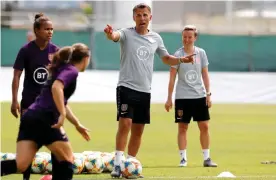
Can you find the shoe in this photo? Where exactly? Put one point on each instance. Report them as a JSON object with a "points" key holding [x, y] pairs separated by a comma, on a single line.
{"points": [[46, 177], [183, 163], [209, 163], [116, 173]]}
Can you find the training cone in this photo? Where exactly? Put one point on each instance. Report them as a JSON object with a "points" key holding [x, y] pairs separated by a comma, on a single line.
{"points": [[226, 175], [46, 177]]}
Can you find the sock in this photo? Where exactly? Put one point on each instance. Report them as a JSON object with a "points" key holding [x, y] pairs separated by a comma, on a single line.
{"points": [[8, 167], [183, 154], [118, 157], [129, 156], [206, 153], [27, 173], [55, 167], [66, 170]]}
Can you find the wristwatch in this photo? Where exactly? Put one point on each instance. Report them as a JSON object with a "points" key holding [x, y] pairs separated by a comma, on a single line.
{"points": [[209, 93]]}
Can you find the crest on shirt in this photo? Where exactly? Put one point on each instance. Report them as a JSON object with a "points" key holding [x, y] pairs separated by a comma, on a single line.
{"points": [[124, 107], [197, 59], [50, 56], [179, 113]]}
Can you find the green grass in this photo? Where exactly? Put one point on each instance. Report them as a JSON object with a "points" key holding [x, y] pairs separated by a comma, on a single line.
{"points": [[241, 137]]}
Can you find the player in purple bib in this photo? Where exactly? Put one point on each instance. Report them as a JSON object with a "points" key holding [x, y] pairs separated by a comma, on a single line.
{"points": [[42, 123], [34, 58]]}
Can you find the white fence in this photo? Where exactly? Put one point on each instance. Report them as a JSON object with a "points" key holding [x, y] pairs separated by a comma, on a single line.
{"points": [[100, 86]]}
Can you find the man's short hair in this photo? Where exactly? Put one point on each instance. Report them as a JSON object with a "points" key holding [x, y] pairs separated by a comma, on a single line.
{"points": [[141, 6]]}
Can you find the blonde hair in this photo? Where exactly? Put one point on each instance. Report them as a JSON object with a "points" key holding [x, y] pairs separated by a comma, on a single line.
{"points": [[190, 28]]}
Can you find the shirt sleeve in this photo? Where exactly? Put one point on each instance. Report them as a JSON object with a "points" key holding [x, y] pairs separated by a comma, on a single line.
{"points": [[161, 49], [204, 60], [19, 63], [67, 76], [122, 33]]}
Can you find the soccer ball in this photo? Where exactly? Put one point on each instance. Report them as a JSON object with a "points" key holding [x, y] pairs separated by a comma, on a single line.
{"points": [[48, 162], [108, 160], [7, 156], [48, 166], [87, 153], [78, 164], [94, 164], [39, 164], [131, 168]]}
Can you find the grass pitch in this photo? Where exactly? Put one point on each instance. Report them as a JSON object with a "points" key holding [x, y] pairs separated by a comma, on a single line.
{"points": [[241, 137]]}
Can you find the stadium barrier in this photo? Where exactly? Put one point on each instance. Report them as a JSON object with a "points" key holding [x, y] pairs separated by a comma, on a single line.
{"points": [[225, 52]]}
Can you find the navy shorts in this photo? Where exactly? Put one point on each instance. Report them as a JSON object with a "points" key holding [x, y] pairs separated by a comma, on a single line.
{"points": [[36, 125], [134, 105], [186, 109]]}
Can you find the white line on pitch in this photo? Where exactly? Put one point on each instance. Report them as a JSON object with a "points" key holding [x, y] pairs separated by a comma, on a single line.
{"points": [[211, 177]]}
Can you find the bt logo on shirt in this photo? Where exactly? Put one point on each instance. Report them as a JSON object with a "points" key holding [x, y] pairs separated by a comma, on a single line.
{"points": [[40, 75], [143, 53], [191, 77]]}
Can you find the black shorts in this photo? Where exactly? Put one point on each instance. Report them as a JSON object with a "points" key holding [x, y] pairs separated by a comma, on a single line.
{"points": [[36, 126], [186, 109], [134, 105]]}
